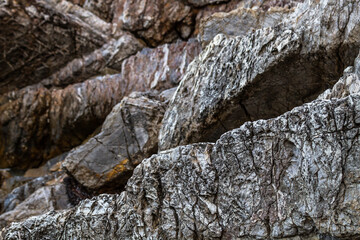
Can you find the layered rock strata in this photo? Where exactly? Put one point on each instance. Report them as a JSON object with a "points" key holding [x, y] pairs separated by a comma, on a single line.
{"points": [[294, 175], [263, 74], [39, 123], [38, 37]]}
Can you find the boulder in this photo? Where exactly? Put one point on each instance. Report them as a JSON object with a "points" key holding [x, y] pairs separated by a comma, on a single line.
{"points": [[38, 123], [291, 177], [40, 36], [263, 74], [129, 135]]}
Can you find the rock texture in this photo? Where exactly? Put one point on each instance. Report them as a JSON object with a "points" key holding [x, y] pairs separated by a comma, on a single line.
{"points": [[44, 199], [154, 21], [263, 74], [128, 135], [39, 123], [240, 22], [38, 37], [295, 175]]}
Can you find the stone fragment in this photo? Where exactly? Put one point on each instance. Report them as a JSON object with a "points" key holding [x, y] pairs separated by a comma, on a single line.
{"points": [[38, 37], [240, 22], [37, 123], [263, 74], [44, 199], [292, 177], [154, 21], [110, 55], [101, 8], [128, 135]]}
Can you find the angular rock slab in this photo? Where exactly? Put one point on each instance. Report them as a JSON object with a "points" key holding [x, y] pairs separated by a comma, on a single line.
{"points": [[38, 37], [296, 175], [264, 74], [240, 22], [39, 123], [154, 21], [128, 135]]}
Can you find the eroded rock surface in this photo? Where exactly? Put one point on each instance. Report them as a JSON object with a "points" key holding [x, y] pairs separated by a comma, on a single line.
{"points": [[39, 123], [263, 74], [128, 135], [154, 21], [240, 22], [38, 37], [294, 175]]}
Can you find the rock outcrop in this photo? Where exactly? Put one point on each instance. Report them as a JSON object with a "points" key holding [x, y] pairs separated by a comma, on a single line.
{"points": [[263, 74], [39, 123], [128, 135], [38, 37], [240, 22], [245, 147], [294, 175]]}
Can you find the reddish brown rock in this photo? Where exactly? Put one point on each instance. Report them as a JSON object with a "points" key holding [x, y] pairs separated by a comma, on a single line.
{"points": [[154, 21], [102, 8], [37, 37], [39, 123]]}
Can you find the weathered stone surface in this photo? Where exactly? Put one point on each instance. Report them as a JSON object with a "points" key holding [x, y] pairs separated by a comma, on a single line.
{"points": [[347, 85], [154, 21], [110, 55], [38, 37], [19, 194], [263, 74], [293, 176], [240, 22], [44, 199], [128, 135], [101, 8], [39, 123], [201, 3]]}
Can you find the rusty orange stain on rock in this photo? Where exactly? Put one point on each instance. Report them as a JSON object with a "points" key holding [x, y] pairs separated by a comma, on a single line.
{"points": [[117, 169]]}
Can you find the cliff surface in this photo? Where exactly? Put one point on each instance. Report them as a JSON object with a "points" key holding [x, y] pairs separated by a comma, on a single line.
{"points": [[180, 119]]}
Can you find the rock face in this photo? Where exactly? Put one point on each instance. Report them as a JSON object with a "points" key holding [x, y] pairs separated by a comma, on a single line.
{"points": [[240, 22], [263, 74], [153, 21], [39, 123], [128, 135], [294, 175], [38, 37], [244, 148]]}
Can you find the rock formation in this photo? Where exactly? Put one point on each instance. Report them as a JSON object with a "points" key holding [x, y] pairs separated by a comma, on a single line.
{"points": [[294, 175], [128, 135], [40, 123], [263, 74], [249, 132]]}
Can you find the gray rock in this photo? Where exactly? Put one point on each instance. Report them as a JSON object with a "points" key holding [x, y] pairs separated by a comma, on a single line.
{"points": [[292, 177], [240, 22], [263, 74], [44, 199], [128, 135]]}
